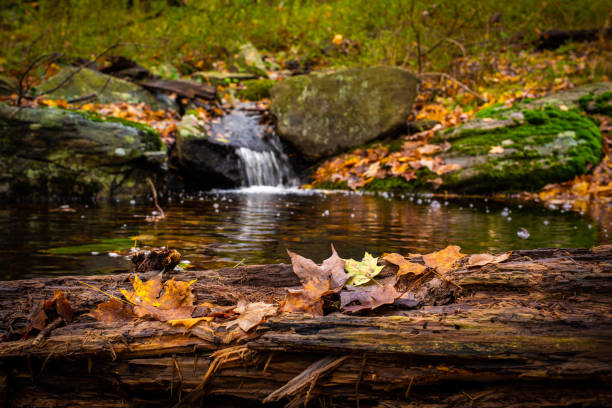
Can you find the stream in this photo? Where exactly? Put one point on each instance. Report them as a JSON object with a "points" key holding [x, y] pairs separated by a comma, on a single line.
{"points": [[257, 225]]}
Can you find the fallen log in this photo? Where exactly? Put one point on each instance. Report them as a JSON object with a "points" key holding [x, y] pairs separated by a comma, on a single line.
{"points": [[533, 330], [183, 88]]}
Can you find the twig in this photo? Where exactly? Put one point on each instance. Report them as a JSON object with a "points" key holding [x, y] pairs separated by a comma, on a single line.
{"points": [[162, 214], [46, 331], [107, 294], [462, 86]]}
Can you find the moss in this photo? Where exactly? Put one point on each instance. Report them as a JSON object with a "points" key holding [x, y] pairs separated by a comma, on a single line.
{"points": [[543, 126], [597, 104], [150, 137], [494, 111], [256, 89]]}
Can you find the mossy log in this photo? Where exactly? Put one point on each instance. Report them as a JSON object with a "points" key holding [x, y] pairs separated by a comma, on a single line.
{"points": [[531, 331]]}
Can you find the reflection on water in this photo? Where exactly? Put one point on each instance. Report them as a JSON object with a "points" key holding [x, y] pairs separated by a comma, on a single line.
{"points": [[259, 225]]}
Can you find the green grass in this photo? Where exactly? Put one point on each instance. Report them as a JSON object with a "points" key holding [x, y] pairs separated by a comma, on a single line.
{"points": [[194, 36]]}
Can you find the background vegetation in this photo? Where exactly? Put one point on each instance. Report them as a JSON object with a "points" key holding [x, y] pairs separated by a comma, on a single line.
{"points": [[194, 34]]}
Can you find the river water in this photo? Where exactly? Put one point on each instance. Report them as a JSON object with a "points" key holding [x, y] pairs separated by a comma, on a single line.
{"points": [[258, 224]]}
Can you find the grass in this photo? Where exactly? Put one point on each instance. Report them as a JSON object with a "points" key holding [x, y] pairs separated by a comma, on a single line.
{"points": [[205, 34]]}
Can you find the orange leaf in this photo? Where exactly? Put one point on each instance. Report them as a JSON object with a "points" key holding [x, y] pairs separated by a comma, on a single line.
{"points": [[443, 260], [405, 266]]}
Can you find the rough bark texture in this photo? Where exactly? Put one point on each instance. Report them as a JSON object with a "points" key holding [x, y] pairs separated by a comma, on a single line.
{"points": [[533, 330]]}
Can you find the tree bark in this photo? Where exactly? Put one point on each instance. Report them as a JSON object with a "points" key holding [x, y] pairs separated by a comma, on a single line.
{"points": [[533, 330]]}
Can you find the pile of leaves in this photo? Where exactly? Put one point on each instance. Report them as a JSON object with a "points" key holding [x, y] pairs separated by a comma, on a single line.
{"points": [[164, 122], [336, 285], [362, 166]]}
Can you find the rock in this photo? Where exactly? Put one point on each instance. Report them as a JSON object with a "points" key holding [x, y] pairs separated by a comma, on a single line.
{"points": [[324, 114], [250, 60], [256, 89], [88, 82], [520, 148], [56, 154], [575, 97], [204, 161]]}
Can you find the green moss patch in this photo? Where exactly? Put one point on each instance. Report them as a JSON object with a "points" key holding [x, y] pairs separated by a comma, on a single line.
{"points": [[597, 104], [256, 89], [150, 139]]}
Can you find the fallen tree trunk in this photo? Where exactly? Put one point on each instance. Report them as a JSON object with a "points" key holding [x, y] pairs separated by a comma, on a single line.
{"points": [[533, 330]]}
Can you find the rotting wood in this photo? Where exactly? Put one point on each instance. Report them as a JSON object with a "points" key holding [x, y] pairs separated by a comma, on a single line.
{"points": [[534, 330], [183, 88]]}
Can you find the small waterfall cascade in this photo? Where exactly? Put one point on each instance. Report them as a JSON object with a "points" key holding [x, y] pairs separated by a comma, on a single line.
{"points": [[260, 150]]}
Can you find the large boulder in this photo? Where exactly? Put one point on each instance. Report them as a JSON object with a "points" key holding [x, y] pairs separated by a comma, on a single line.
{"points": [[250, 60], [55, 154], [324, 114], [88, 82]]}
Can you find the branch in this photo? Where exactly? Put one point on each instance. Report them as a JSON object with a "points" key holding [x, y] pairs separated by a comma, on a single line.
{"points": [[462, 86]]}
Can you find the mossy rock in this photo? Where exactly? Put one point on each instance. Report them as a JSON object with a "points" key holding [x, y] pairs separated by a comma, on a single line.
{"points": [[54, 154], [540, 146], [325, 114], [255, 89], [250, 60], [88, 82]]}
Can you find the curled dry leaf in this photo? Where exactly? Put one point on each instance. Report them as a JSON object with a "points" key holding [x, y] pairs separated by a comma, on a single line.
{"points": [[443, 261], [297, 301], [317, 281], [112, 311], [405, 266], [320, 280], [58, 303], [362, 272], [484, 259], [188, 323], [251, 314], [367, 298]]}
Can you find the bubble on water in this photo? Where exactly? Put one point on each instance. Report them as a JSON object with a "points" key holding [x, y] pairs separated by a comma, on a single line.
{"points": [[352, 215], [523, 233], [82, 216], [471, 205], [216, 205], [567, 206], [434, 205], [545, 222], [552, 207], [325, 213], [95, 253], [487, 211], [133, 202], [278, 214], [446, 203], [113, 254], [201, 199], [520, 206], [154, 212], [216, 210], [509, 218], [589, 226]]}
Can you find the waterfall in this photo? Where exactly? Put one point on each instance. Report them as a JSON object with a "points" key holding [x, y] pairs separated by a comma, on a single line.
{"points": [[266, 168], [263, 161]]}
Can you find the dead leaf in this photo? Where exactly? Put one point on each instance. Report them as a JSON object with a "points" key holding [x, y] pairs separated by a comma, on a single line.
{"points": [[405, 266], [297, 301], [251, 314], [484, 259], [112, 311], [368, 298], [443, 260], [320, 280], [496, 150], [188, 323]]}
